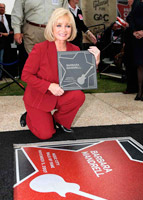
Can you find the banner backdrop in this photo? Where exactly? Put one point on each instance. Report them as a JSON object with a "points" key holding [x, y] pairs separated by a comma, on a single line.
{"points": [[122, 8], [99, 14]]}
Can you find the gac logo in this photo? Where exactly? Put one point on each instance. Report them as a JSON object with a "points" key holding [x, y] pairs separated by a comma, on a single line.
{"points": [[98, 17]]}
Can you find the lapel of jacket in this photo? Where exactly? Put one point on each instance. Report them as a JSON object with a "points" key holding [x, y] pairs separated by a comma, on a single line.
{"points": [[2, 28], [8, 17]]}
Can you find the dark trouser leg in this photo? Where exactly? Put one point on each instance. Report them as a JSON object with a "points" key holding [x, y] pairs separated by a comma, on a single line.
{"points": [[140, 79]]}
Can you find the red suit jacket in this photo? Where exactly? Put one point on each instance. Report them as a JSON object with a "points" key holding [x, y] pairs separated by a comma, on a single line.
{"points": [[40, 70]]}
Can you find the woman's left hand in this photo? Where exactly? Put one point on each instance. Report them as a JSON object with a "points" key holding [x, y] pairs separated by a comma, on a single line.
{"points": [[55, 89], [96, 52]]}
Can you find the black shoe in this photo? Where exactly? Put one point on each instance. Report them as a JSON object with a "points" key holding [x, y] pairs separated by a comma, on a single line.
{"points": [[64, 129], [138, 97], [23, 119], [142, 97], [54, 122], [128, 92], [125, 92]]}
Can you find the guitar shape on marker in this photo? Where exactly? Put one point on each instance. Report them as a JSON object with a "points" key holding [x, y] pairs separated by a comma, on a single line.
{"points": [[81, 79], [54, 183]]}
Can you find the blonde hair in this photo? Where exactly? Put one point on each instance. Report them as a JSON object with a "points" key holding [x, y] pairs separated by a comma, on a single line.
{"points": [[58, 13]]}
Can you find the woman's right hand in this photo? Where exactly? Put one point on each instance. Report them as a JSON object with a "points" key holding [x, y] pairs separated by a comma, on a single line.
{"points": [[55, 89]]}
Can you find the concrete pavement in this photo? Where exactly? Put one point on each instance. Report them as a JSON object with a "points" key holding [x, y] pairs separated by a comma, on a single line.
{"points": [[98, 109]]}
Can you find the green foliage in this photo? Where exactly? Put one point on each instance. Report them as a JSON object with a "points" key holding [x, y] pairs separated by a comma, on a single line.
{"points": [[105, 85], [12, 89]]}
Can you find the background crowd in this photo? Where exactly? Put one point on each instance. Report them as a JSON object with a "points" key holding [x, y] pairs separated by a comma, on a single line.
{"points": [[28, 20]]}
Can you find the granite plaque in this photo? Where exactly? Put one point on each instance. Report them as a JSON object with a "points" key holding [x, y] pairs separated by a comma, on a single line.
{"points": [[77, 70]]}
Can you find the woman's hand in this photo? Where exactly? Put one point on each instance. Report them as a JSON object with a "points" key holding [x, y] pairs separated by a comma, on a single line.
{"points": [[96, 52], [138, 34], [55, 89]]}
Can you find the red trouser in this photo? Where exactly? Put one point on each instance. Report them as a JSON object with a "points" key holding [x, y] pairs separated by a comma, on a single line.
{"points": [[41, 124]]}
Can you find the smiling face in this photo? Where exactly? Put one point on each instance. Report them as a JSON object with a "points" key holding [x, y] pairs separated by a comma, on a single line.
{"points": [[62, 29]]}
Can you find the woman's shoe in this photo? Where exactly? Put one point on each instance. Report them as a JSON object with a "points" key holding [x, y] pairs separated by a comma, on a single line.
{"points": [[138, 97], [64, 129], [23, 119], [129, 92], [54, 122]]}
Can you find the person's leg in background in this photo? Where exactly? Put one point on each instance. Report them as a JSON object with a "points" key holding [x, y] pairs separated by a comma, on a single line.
{"points": [[132, 82], [1, 61], [140, 83], [67, 107], [138, 60], [32, 35], [22, 56]]}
